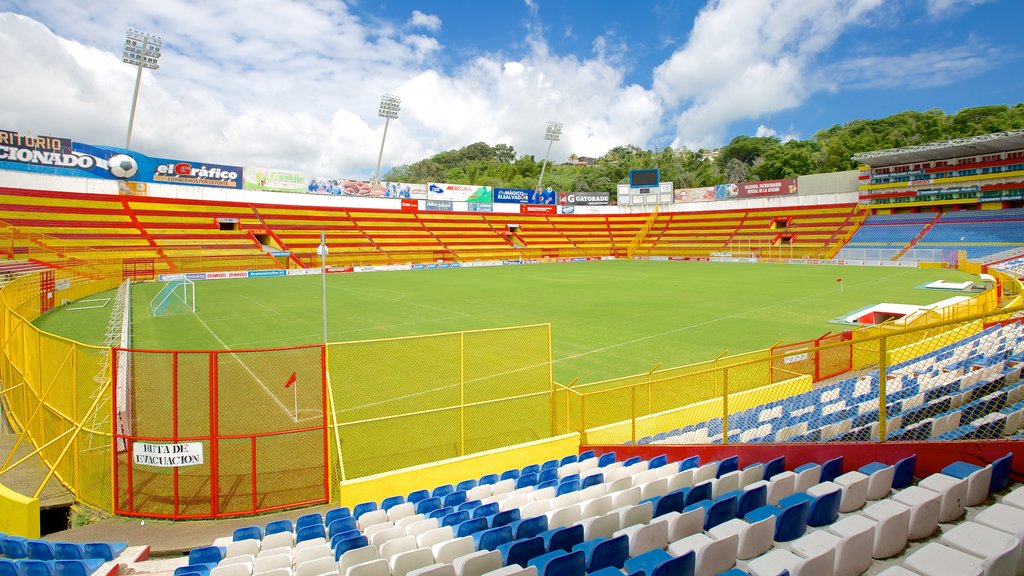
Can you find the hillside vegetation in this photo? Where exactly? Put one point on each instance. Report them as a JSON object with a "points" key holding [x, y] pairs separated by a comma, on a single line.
{"points": [[745, 158]]}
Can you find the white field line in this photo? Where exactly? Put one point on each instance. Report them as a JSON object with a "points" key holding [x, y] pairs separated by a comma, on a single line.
{"points": [[258, 380]]}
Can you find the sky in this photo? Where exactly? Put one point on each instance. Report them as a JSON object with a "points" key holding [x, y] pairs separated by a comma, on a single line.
{"points": [[295, 85]]}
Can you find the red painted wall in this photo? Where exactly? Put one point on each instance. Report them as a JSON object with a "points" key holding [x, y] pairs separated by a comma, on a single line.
{"points": [[932, 457]]}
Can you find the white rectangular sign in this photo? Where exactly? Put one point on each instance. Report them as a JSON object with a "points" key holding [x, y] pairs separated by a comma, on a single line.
{"points": [[167, 455]]}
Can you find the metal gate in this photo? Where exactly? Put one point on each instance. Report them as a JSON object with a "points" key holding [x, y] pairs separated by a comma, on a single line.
{"points": [[215, 434]]}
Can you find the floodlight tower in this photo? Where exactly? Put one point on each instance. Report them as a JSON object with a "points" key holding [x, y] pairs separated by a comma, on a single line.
{"points": [[141, 50], [389, 106], [552, 135]]}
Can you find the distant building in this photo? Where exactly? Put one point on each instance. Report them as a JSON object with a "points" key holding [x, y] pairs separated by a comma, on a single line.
{"points": [[985, 170], [581, 161]]}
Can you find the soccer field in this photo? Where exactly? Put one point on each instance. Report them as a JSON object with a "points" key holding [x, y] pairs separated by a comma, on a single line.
{"points": [[608, 319]]}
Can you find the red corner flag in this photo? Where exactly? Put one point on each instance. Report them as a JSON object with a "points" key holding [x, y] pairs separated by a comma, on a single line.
{"points": [[839, 279], [291, 380]]}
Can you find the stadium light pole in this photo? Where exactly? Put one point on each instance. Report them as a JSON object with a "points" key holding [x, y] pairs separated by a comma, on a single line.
{"points": [[389, 106], [141, 50], [552, 135]]}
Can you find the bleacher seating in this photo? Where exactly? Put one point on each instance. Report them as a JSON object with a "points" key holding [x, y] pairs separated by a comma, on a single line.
{"points": [[35, 557], [655, 517], [965, 390]]}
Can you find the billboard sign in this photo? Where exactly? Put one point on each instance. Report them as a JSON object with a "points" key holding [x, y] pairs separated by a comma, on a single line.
{"points": [[270, 179], [196, 173], [524, 196], [458, 192], [535, 209], [64, 157], [403, 190], [584, 198], [438, 205], [782, 187], [480, 207], [702, 194]]}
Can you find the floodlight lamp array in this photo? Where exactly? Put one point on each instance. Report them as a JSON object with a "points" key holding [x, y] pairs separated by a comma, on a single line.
{"points": [[389, 106], [553, 132], [141, 49]]}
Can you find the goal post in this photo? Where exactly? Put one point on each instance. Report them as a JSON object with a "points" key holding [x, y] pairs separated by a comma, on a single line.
{"points": [[179, 290]]}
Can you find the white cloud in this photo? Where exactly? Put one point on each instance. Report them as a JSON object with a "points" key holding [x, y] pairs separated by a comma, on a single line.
{"points": [[931, 67], [430, 22], [947, 8], [764, 131], [743, 58], [238, 87]]}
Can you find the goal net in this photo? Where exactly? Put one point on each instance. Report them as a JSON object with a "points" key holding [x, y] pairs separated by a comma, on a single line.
{"points": [[176, 292]]}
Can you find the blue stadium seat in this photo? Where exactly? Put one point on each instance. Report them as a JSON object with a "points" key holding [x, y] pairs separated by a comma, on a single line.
{"points": [[568, 459], [510, 474], [279, 526], [567, 487], [530, 469], [550, 464], [471, 527], [341, 525], [522, 551], [657, 462], [359, 510], [349, 544], [687, 463], [417, 495], [390, 502], [727, 465], [560, 563], [674, 501], [698, 493], [455, 518], [428, 505], [8, 567], [506, 518], [247, 533], [831, 469], [15, 547], [76, 567], [530, 527], [592, 480], [903, 475], [347, 534], [586, 455], [774, 466], [486, 510], [547, 475], [492, 538], [454, 498], [563, 538], [106, 551], [605, 459], [203, 555], [442, 512], [526, 480], [442, 490], [41, 550], [28, 567], [488, 479], [630, 461], [790, 522], [604, 552], [466, 485], [336, 514], [657, 562], [310, 532]]}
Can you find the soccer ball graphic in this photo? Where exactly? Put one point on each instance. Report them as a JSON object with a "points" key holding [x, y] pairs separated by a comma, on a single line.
{"points": [[122, 166]]}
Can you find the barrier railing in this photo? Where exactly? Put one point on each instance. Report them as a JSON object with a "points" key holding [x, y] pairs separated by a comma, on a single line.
{"points": [[361, 408]]}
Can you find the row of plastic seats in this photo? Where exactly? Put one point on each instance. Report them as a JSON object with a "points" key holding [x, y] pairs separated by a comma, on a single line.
{"points": [[30, 567], [17, 547]]}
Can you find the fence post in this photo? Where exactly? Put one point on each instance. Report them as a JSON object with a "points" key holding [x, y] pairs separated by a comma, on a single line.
{"points": [[881, 387], [632, 393], [583, 418], [725, 405], [462, 393], [649, 387]]}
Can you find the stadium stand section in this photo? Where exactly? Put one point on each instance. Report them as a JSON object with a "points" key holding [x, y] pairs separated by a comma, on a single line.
{"points": [[605, 515], [34, 557], [205, 235], [966, 390]]}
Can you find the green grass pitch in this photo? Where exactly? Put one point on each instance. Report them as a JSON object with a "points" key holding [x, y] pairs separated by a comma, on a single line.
{"points": [[608, 318]]}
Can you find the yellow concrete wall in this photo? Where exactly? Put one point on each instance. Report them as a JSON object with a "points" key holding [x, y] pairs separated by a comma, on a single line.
{"points": [[19, 514], [400, 482], [620, 432]]}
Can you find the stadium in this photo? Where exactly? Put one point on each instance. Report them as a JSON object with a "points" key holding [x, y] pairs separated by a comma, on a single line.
{"points": [[334, 377]]}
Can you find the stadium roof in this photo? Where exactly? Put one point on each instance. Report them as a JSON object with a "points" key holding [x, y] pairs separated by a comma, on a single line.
{"points": [[985, 144]]}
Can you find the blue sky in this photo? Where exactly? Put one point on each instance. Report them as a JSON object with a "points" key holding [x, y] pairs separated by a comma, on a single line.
{"points": [[296, 84]]}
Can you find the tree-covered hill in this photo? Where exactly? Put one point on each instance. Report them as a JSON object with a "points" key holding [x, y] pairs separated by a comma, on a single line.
{"points": [[745, 158]]}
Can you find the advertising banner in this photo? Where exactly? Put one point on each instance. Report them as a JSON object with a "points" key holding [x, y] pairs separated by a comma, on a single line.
{"points": [[195, 173], [366, 188], [584, 198], [702, 194], [458, 192], [534, 209], [438, 205], [63, 157], [269, 179], [783, 187], [524, 196], [410, 205], [480, 207]]}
